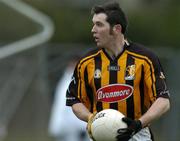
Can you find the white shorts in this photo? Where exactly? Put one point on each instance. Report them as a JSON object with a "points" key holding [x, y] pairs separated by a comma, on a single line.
{"points": [[143, 135]]}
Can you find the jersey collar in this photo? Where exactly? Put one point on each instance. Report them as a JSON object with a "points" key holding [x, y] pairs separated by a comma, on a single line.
{"points": [[117, 57]]}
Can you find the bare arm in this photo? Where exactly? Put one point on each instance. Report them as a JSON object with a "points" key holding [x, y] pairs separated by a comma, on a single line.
{"points": [[81, 111], [158, 108]]}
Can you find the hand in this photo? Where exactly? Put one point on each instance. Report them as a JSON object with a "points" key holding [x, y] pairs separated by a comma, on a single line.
{"points": [[125, 134], [90, 119]]}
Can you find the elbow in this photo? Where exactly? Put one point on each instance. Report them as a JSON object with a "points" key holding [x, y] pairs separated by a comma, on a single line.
{"points": [[167, 105], [75, 109]]}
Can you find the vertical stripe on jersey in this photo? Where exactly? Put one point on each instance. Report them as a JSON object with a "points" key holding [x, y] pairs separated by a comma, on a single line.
{"points": [[122, 106], [141, 87], [105, 76], [130, 100], [97, 81], [89, 90], [113, 80]]}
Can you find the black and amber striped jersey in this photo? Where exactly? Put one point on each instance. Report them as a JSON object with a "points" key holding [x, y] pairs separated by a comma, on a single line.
{"points": [[130, 82]]}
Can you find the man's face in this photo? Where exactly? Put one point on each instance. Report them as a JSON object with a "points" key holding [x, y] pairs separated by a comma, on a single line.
{"points": [[101, 30]]}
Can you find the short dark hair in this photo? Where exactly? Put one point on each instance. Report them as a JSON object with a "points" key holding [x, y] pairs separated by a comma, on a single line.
{"points": [[115, 14]]}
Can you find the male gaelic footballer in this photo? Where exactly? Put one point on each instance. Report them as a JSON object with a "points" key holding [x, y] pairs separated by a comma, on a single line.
{"points": [[121, 75]]}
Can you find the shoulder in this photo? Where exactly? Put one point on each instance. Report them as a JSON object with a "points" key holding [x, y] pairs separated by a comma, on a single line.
{"points": [[92, 53], [139, 50], [88, 57]]}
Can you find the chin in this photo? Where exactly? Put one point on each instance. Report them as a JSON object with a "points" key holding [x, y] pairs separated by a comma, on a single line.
{"points": [[99, 45]]}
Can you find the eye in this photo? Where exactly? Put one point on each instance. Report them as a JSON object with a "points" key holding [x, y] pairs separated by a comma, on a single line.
{"points": [[99, 24]]}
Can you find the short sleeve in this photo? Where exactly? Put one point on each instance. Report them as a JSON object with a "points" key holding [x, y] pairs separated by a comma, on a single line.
{"points": [[155, 80], [72, 91]]}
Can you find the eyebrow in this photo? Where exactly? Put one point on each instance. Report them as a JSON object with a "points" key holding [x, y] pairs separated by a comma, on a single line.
{"points": [[97, 22]]}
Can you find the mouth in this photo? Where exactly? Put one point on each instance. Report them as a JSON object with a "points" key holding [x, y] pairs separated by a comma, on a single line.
{"points": [[96, 39]]}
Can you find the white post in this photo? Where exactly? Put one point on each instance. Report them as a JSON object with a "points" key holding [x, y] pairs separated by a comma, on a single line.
{"points": [[34, 40]]}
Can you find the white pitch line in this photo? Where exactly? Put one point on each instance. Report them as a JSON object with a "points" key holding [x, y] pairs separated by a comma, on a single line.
{"points": [[34, 40]]}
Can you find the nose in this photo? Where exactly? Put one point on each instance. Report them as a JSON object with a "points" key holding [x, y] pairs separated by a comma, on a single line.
{"points": [[93, 30]]}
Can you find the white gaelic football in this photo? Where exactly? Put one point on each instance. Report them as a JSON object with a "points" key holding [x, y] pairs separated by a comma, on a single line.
{"points": [[105, 125]]}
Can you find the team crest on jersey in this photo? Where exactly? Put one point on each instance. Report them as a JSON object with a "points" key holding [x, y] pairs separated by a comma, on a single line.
{"points": [[130, 72], [97, 74], [114, 93]]}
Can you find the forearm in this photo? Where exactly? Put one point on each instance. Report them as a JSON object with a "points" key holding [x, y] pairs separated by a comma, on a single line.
{"points": [[81, 111], [158, 108]]}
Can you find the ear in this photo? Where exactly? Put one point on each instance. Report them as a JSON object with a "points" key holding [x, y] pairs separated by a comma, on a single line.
{"points": [[117, 28]]}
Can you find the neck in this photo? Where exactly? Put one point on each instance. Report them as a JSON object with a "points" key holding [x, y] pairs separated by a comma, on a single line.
{"points": [[116, 48]]}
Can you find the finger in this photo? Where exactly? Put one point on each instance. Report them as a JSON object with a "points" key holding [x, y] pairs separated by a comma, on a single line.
{"points": [[122, 131], [127, 120], [123, 137], [89, 128]]}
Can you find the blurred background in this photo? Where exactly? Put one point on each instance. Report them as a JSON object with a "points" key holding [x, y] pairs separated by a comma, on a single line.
{"points": [[39, 37]]}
